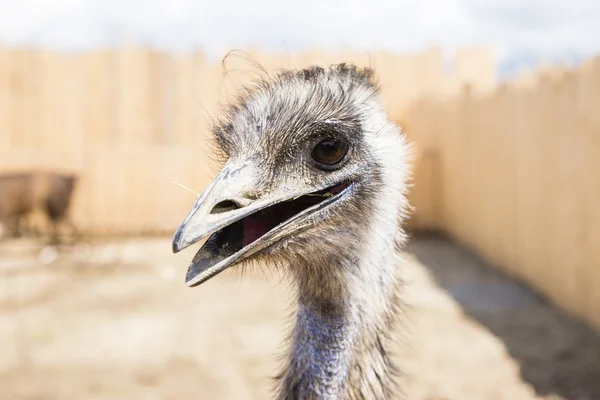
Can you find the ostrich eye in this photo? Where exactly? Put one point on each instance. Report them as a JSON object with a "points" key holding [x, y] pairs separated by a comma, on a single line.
{"points": [[329, 152]]}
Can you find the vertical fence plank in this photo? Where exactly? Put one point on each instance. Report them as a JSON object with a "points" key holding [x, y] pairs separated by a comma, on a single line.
{"points": [[590, 119], [5, 98]]}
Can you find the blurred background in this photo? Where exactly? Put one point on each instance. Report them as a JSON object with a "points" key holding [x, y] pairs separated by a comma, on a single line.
{"points": [[104, 111]]}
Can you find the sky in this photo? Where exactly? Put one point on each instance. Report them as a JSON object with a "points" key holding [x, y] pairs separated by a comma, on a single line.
{"points": [[521, 32]]}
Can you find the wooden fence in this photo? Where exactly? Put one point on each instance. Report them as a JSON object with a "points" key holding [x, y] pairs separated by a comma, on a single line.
{"points": [[131, 121], [513, 172], [515, 175]]}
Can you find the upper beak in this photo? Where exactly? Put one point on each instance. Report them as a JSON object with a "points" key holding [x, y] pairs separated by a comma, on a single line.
{"points": [[208, 216]]}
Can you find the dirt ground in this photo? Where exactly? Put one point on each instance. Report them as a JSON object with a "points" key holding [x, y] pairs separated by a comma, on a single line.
{"points": [[114, 320]]}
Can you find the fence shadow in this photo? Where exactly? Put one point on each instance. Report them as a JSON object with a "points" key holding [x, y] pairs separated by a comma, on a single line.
{"points": [[557, 354]]}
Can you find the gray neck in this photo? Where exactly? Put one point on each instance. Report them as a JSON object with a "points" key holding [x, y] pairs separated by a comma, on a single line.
{"points": [[320, 357], [338, 352], [348, 301]]}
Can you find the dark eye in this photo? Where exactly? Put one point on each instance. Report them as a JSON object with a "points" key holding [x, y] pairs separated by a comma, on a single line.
{"points": [[329, 152]]}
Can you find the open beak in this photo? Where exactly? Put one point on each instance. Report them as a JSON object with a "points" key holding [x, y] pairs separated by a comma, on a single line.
{"points": [[240, 227]]}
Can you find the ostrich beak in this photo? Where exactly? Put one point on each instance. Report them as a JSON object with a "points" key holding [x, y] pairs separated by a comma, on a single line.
{"points": [[217, 207], [240, 227]]}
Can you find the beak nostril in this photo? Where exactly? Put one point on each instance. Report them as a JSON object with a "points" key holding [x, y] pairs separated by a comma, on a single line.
{"points": [[224, 206]]}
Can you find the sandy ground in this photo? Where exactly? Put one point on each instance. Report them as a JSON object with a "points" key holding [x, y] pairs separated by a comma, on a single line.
{"points": [[114, 320]]}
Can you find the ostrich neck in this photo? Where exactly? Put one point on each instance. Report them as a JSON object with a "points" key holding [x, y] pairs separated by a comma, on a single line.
{"points": [[338, 347], [319, 359]]}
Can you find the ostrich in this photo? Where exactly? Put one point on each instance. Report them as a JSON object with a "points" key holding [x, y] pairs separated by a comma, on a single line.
{"points": [[314, 182]]}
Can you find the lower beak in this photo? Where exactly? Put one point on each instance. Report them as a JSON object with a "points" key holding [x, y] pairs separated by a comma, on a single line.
{"points": [[225, 245], [216, 210]]}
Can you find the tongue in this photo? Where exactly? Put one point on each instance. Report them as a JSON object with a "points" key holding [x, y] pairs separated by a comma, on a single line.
{"points": [[256, 225], [253, 229]]}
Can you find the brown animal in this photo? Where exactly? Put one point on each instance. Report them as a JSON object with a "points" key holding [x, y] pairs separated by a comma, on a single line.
{"points": [[24, 193]]}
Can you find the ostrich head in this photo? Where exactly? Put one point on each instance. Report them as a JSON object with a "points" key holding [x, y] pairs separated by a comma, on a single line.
{"points": [[312, 162], [314, 182]]}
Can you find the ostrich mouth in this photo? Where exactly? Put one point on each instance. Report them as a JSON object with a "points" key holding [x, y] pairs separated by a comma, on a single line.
{"points": [[257, 230]]}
